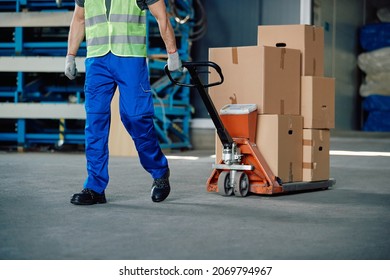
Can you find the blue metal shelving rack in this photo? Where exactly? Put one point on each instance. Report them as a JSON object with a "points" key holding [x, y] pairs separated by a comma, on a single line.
{"points": [[30, 87], [172, 104]]}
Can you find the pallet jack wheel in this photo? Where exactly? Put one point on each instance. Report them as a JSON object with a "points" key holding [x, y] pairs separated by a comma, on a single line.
{"points": [[224, 186], [241, 184]]}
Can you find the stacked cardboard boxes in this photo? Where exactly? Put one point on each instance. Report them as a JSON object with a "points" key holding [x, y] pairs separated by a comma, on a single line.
{"points": [[283, 76]]}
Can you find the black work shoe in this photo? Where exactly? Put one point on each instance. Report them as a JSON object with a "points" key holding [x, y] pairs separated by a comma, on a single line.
{"points": [[88, 197], [161, 188]]}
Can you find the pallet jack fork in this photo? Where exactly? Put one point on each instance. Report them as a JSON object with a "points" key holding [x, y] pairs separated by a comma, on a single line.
{"points": [[242, 169]]}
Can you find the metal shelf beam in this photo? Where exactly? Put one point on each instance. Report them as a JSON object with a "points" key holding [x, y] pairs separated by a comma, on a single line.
{"points": [[50, 64], [35, 19], [42, 111]]}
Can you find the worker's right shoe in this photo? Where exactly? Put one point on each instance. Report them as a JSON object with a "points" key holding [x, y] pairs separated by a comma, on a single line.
{"points": [[88, 197]]}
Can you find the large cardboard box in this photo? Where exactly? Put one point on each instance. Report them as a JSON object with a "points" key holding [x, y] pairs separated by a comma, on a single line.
{"points": [[316, 162], [306, 38], [120, 142], [279, 139], [318, 102], [266, 76]]}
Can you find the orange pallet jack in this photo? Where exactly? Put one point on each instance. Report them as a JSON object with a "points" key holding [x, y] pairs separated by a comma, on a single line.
{"points": [[242, 169]]}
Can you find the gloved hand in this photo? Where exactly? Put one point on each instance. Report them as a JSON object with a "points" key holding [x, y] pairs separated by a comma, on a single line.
{"points": [[70, 67], [174, 62]]}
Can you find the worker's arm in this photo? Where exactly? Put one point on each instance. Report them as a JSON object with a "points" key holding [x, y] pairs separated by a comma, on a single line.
{"points": [[75, 37], [77, 30], [158, 10]]}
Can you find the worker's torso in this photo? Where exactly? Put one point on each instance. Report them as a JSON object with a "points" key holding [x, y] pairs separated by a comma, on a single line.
{"points": [[122, 30]]}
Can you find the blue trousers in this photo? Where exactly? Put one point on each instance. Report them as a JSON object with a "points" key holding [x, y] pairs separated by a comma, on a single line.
{"points": [[130, 74]]}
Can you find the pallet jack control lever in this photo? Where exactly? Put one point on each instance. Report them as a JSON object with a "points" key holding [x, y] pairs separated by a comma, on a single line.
{"points": [[195, 68]]}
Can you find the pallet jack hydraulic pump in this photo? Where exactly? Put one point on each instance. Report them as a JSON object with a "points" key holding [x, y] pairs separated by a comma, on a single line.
{"points": [[242, 169]]}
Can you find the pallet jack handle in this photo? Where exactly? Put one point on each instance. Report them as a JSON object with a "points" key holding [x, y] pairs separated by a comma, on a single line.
{"points": [[194, 70]]}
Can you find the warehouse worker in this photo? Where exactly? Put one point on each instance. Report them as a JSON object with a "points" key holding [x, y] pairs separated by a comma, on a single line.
{"points": [[115, 33]]}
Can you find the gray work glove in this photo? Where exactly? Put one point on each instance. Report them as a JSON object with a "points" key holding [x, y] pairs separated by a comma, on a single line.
{"points": [[174, 62], [70, 67]]}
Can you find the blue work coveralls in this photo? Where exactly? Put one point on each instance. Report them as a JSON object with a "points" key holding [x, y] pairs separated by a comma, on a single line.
{"points": [[131, 75]]}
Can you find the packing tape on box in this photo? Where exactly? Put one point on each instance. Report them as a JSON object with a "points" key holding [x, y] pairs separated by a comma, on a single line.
{"points": [[282, 106], [282, 55], [235, 55], [308, 142], [309, 165], [233, 99], [314, 33]]}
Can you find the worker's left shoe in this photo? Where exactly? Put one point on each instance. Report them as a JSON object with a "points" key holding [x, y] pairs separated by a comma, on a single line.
{"points": [[161, 188]]}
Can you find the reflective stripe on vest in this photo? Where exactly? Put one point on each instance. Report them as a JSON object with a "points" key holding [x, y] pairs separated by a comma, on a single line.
{"points": [[124, 34]]}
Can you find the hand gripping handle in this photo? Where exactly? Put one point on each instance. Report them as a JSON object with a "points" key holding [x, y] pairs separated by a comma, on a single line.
{"points": [[194, 70]]}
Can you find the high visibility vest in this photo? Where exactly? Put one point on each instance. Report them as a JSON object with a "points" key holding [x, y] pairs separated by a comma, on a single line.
{"points": [[123, 32]]}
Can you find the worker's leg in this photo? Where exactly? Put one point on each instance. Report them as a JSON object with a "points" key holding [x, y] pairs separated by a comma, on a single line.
{"points": [[136, 109], [99, 90]]}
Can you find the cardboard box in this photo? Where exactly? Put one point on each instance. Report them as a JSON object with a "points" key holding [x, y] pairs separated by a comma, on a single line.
{"points": [[266, 76], [119, 142], [318, 102], [316, 162], [306, 38], [279, 139]]}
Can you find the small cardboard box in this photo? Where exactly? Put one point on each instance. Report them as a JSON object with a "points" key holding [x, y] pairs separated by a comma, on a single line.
{"points": [[318, 102], [316, 162], [279, 139], [306, 38], [266, 76]]}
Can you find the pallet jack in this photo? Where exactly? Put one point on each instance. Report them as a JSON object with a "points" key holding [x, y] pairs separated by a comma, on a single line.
{"points": [[242, 169]]}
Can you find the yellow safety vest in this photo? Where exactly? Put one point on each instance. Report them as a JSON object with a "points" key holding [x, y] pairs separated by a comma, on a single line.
{"points": [[123, 32]]}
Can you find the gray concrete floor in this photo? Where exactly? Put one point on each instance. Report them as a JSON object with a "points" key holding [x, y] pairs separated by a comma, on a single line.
{"points": [[349, 221]]}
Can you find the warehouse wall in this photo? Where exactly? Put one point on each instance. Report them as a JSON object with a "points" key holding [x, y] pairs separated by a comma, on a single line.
{"points": [[341, 21], [275, 12]]}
